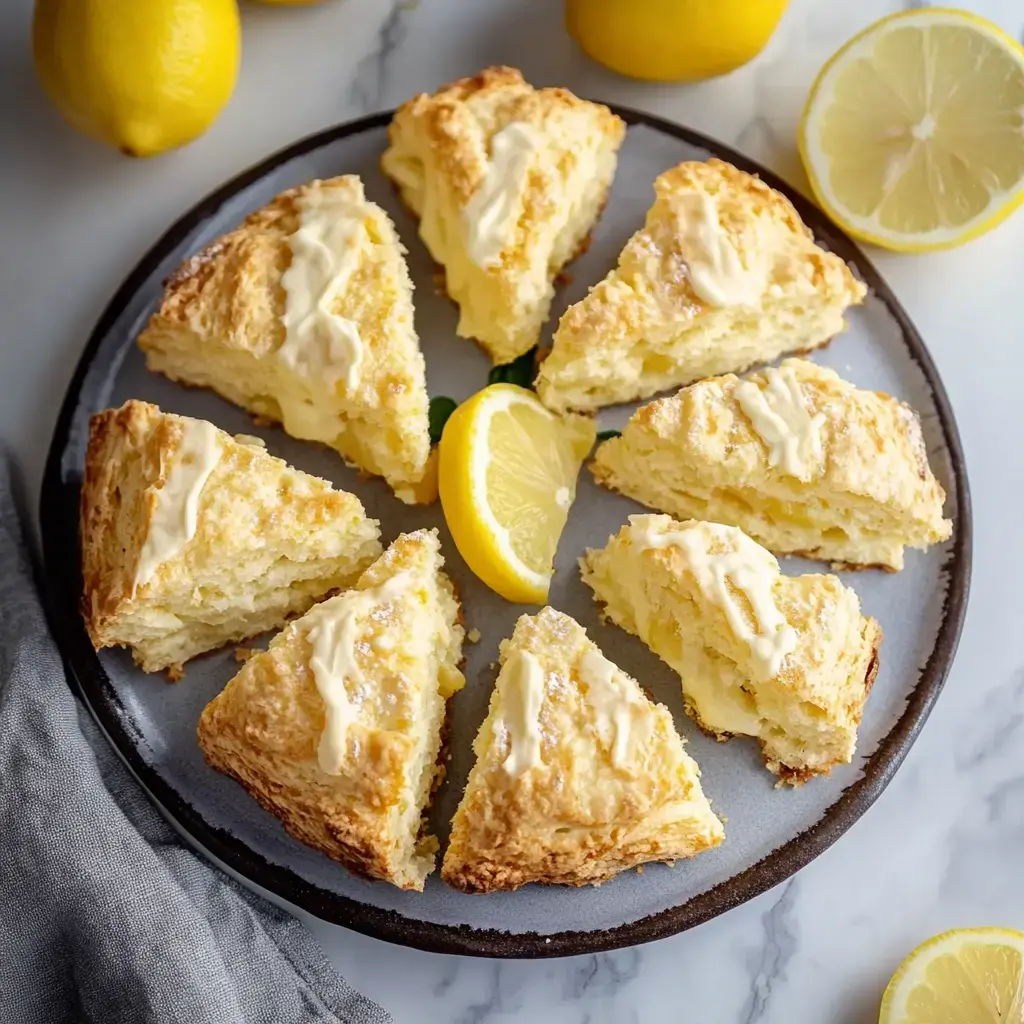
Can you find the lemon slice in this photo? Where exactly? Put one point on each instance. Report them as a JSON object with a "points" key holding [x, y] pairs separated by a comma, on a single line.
{"points": [[507, 475], [971, 976], [913, 134]]}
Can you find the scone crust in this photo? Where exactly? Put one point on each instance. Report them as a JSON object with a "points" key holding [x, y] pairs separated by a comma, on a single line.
{"points": [[648, 301], [872, 449], [497, 96], [574, 819], [230, 297], [439, 146], [130, 452]]}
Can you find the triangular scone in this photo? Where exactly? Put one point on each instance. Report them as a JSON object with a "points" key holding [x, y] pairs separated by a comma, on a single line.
{"points": [[336, 727], [303, 315], [507, 181], [789, 660], [578, 775], [801, 460], [723, 275], [192, 539]]}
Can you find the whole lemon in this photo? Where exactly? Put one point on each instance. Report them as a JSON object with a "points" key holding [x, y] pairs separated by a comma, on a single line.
{"points": [[142, 75], [673, 40]]}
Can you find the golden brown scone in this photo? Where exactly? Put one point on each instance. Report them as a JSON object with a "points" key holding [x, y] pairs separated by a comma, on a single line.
{"points": [[507, 181], [192, 539], [724, 274], [578, 775], [336, 727], [797, 457], [303, 315], [789, 660]]}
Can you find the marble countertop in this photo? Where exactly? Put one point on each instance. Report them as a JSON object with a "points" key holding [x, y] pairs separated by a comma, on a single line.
{"points": [[941, 847]]}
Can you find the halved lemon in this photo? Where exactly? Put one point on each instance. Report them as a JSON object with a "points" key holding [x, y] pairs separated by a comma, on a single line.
{"points": [[507, 471], [971, 976], [913, 134]]}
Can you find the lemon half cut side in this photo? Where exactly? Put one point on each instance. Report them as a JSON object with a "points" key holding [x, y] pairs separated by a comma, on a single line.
{"points": [[970, 976], [913, 133]]}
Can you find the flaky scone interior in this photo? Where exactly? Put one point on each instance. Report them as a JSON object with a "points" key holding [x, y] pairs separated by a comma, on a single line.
{"points": [[788, 660], [797, 457], [192, 539], [578, 776], [337, 727]]}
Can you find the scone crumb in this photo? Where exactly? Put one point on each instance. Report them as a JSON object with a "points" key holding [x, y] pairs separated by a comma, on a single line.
{"points": [[243, 654], [175, 673], [473, 636]]}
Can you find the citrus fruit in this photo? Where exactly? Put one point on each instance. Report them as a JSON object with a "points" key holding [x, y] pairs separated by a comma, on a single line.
{"points": [[970, 976], [143, 76], [913, 134], [673, 40], [507, 471]]}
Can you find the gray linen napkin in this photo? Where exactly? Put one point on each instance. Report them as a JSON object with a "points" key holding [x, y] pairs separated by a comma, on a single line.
{"points": [[104, 915]]}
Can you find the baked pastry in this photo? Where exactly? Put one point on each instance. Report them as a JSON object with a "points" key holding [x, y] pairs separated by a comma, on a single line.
{"points": [[336, 727], [797, 457], [192, 539], [303, 315], [578, 774], [723, 275], [507, 181], [789, 660]]}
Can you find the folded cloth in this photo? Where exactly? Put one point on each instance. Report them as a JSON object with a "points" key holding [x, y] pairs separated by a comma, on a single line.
{"points": [[104, 914]]}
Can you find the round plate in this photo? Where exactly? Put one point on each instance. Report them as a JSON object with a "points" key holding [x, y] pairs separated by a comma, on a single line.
{"points": [[770, 833]]}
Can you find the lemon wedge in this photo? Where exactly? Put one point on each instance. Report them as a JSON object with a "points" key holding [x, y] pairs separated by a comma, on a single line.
{"points": [[507, 471], [913, 134], [971, 976]]}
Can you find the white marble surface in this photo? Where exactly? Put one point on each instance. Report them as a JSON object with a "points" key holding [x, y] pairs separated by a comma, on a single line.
{"points": [[941, 848]]}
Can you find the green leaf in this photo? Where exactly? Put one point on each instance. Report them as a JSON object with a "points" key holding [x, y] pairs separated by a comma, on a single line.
{"points": [[520, 371], [441, 407], [607, 435]]}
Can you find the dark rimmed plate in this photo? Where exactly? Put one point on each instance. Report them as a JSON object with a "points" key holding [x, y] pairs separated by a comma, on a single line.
{"points": [[770, 833]]}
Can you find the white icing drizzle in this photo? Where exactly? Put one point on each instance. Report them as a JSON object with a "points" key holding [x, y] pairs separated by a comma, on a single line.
{"points": [[523, 694], [492, 211], [718, 275], [744, 566], [612, 701], [779, 414], [320, 344], [334, 628], [176, 513]]}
